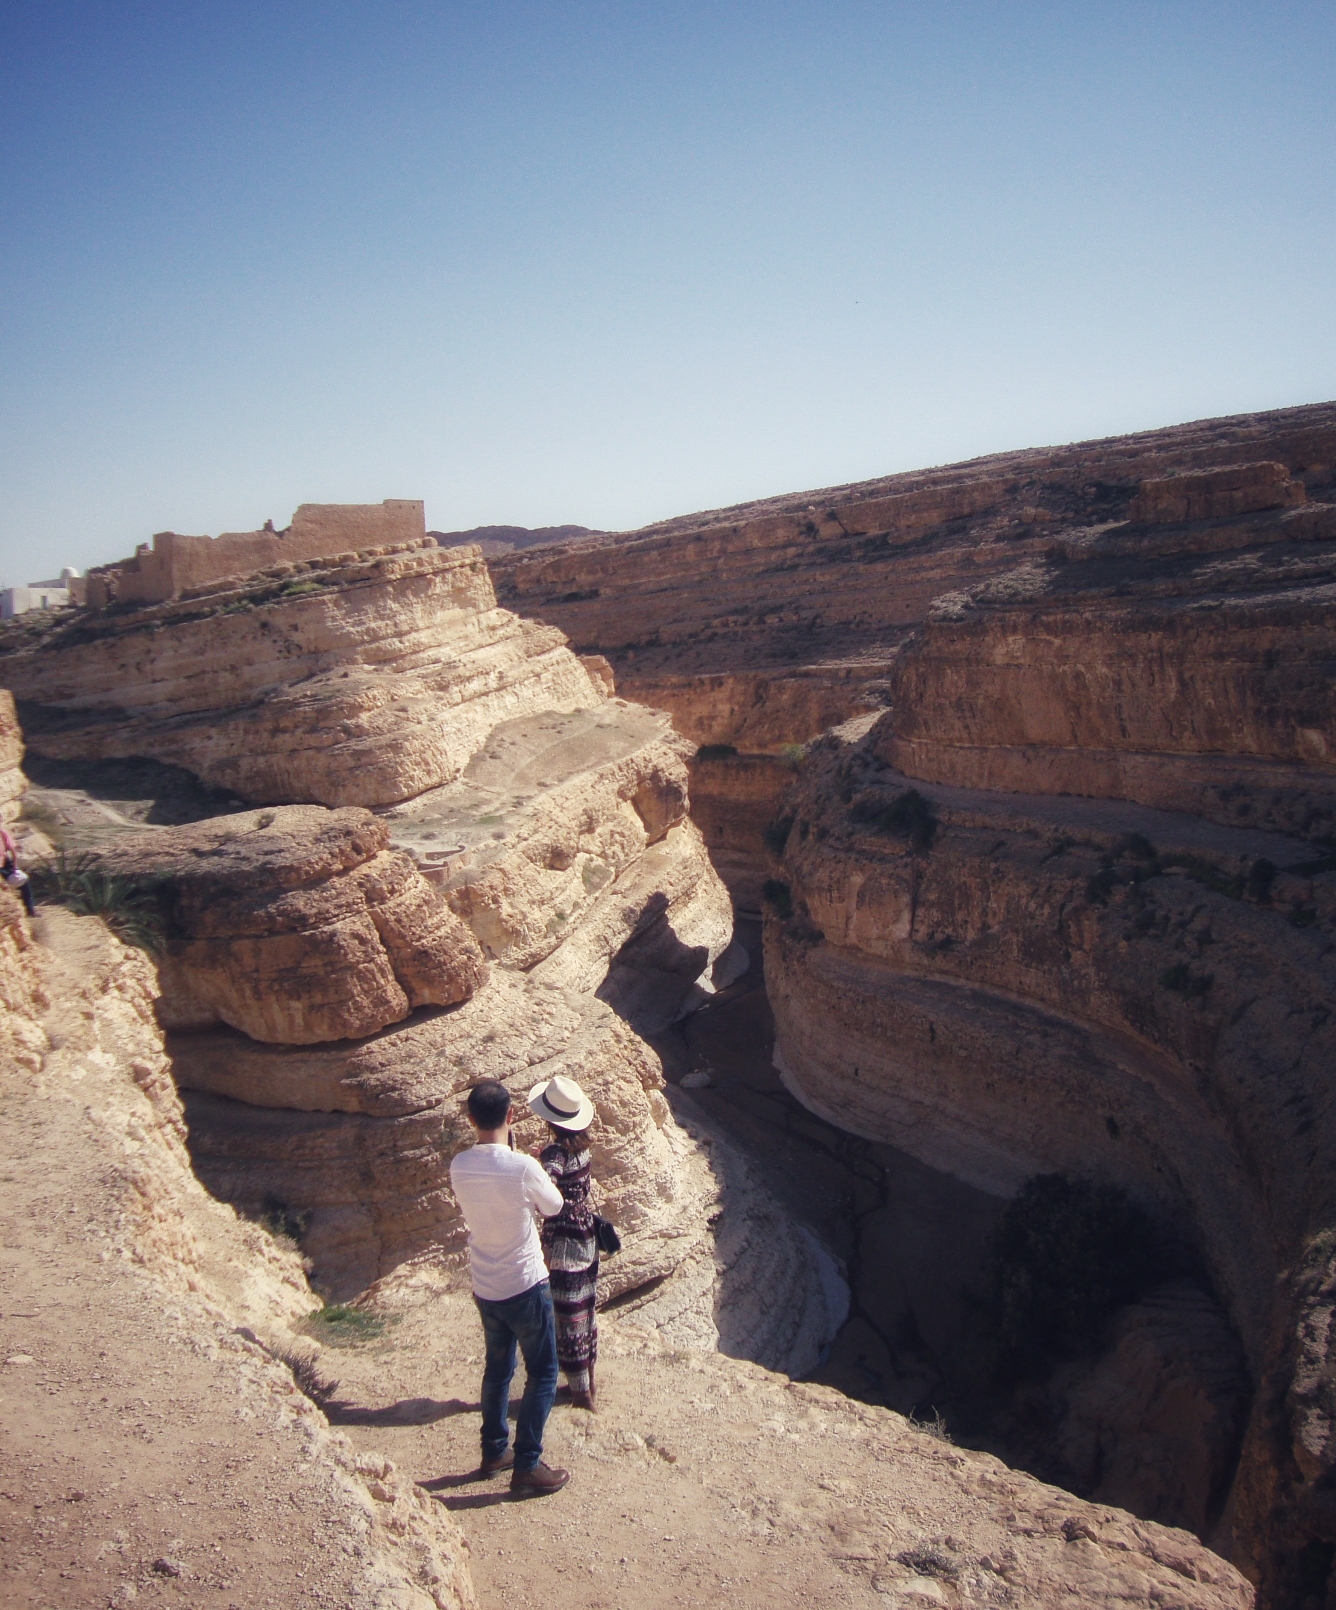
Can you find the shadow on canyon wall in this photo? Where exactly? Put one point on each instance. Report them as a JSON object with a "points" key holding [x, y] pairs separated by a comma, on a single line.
{"points": [[1151, 1422]]}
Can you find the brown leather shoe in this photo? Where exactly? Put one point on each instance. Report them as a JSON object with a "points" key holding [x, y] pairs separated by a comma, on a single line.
{"points": [[541, 1479], [503, 1461]]}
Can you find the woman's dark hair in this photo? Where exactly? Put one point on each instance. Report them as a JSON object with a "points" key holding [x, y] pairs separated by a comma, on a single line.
{"points": [[571, 1139], [489, 1102]]}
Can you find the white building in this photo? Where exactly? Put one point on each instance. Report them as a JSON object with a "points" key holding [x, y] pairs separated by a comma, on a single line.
{"points": [[37, 595]]}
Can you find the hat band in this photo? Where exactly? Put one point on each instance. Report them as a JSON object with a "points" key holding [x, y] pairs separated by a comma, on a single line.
{"points": [[560, 1112]]}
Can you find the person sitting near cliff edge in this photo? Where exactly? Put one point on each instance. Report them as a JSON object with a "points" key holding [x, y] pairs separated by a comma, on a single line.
{"points": [[498, 1190], [9, 869]]}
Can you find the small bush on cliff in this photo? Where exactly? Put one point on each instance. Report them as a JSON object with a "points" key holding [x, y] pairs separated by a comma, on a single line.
{"points": [[777, 896], [307, 1376], [907, 816], [1183, 981], [1066, 1255], [286, 1225], [776, 835], [132, 911], [792, 756]]}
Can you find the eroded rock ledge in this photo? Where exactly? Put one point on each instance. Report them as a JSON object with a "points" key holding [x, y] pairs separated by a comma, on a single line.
{"points": [[359, 681], [1025, 981], [532, 892]]}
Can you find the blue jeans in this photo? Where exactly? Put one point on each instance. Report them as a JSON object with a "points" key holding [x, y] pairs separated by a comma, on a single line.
{"points": [[526, 1319]]}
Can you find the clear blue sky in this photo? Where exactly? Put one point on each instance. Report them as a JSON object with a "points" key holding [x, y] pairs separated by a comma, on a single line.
{"points": [[605, 263]]}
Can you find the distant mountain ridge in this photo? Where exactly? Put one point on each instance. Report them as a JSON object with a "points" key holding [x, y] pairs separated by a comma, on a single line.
{"points": [[495, 540]]}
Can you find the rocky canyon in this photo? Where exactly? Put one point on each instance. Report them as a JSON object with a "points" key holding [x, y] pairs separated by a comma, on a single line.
{"points": [[876, 851], [1030, 763]]}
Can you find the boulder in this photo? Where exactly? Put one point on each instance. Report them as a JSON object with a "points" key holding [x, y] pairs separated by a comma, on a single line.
{"points": [[297, 925]]}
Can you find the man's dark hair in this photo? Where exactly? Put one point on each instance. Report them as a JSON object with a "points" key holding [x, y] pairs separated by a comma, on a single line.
{"points": [[489, 1102]]}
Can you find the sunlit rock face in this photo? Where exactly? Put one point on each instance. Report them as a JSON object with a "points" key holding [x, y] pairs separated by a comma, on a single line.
{"points": [[297, 925], [1189, 668], [357, 683], [1070, 906], [12, 780], [531, 891], [763, 625], [360, 1136]]}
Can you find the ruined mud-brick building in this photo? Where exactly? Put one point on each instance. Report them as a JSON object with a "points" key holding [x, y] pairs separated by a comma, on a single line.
{"points": [[175, 563]]}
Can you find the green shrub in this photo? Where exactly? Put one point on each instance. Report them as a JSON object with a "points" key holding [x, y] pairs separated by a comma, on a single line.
{"points": [[1261, 876], [342, 1325], [1135, 846], [778, 897], [133, 911], [1065, 1256], [792, 755], [716, 752], [1099, 885], [1209, 876], [282, 1222]]}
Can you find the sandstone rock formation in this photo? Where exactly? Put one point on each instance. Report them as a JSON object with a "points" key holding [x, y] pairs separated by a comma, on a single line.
{"points": [[358, 1137], [340, 683], [139, 1336], [297, 925], [129, 1375], [810, 597], [811, 594], [1146, 622], [1189, 669], [1028, 981], [324, 974], [12, 780], [23, 997]]}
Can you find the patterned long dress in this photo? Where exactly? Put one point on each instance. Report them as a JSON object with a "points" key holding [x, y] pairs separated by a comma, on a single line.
{"points": [[571, 1250]]}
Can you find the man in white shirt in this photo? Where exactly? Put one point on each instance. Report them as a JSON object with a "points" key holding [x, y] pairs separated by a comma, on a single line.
{"points": [[498, 1190]]}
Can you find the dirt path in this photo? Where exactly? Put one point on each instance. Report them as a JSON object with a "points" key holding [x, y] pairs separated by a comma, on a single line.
{"points": [[707, 1480]]}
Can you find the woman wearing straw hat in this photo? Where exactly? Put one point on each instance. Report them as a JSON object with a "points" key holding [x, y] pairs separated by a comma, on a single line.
{"points": [[570, 1242]]}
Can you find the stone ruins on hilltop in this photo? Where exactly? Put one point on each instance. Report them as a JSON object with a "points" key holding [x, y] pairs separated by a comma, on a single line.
{"points": [[175, 564]]}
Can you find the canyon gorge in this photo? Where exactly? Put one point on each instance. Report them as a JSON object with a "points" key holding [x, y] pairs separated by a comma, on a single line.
{"points": [[866, 854]]}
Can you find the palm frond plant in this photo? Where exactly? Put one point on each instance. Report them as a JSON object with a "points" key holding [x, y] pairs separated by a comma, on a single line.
{"points": [[131, 909]]}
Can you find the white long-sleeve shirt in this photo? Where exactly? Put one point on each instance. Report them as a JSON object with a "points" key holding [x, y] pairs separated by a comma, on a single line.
{"points": [[498, 1191]]}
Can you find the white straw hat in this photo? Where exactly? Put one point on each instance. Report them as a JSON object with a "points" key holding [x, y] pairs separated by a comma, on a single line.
{"points": [[561, 1101]]}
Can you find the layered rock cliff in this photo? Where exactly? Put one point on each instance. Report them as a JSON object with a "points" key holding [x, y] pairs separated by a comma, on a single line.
{"points": [[12, 780], [532, 892], [1001, 978], [143, 1335], [356, 681], [1022, 981], [762, 625], [157, 1442]]}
